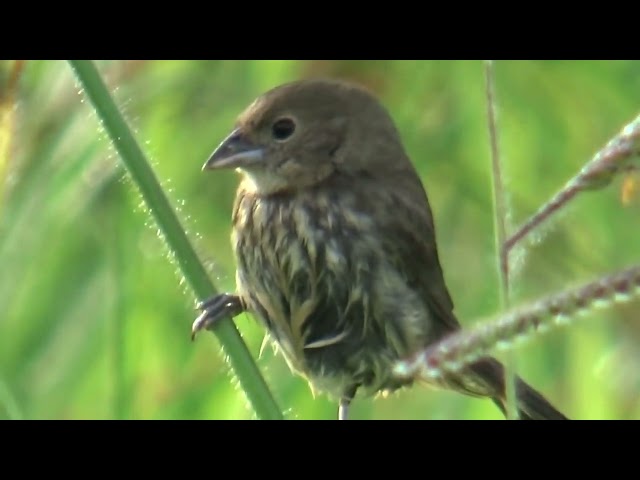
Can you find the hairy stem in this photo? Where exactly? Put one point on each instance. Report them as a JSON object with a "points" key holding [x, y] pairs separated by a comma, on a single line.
{"points": [[617, 156], [462, 348]]}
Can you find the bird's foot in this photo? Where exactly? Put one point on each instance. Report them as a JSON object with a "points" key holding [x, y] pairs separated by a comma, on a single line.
{"points": [[345, 402], [215, 309], [343, 409]]}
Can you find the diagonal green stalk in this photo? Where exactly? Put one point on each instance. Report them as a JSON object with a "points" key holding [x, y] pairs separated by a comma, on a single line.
{"points": [[251, 381], [500, 228]]}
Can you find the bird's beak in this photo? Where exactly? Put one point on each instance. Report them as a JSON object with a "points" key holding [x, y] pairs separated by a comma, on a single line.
{"points": [[235, 151]]}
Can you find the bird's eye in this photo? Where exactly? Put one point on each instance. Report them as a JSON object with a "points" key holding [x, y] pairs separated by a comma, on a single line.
{"points": [[283, 128]]}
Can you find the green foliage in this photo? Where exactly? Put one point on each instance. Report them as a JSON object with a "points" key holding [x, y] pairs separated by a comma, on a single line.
{"points": [[96, 319]]}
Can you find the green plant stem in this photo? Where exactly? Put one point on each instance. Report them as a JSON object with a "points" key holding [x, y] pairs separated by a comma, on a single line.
{"points": [[500, 229], [240, 358]]}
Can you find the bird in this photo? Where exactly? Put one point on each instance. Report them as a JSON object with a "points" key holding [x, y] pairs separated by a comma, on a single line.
{"points": [[335, 247]]}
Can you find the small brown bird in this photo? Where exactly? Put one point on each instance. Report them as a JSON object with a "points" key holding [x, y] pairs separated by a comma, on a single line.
{"points": [[335, 246]]}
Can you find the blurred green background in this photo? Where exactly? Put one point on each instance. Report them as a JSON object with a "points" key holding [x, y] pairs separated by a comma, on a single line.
{"points": [[95, 318]]}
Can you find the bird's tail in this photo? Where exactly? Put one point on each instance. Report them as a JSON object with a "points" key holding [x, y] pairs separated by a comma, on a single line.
{"points": [[531, 404]]}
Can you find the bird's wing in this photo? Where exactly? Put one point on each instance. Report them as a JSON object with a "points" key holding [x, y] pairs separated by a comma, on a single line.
{"points": [[410, 244]]}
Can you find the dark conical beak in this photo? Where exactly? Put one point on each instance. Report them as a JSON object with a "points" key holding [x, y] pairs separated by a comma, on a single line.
{"points": [[235, 151]]}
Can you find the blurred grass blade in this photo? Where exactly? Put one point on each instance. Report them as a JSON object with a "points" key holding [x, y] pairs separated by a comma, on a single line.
{"points": [[8, 403], [240, 358], [507, 332], [8, 98]]}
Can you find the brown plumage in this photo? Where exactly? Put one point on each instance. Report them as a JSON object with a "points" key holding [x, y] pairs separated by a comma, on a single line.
{"points": [[335, 245]]}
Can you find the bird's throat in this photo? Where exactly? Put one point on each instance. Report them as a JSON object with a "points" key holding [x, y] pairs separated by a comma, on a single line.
{"points": [[262, 182]]}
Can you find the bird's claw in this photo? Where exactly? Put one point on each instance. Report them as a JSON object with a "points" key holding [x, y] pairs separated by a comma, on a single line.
{"points": [[215, 309]]}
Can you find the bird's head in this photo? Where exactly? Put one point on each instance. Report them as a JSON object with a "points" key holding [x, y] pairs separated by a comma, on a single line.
{"points": [[299, 134]]}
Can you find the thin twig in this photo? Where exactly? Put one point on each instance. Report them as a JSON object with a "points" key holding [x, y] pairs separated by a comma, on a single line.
{"points": [[614, 158], [465, 347]]}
